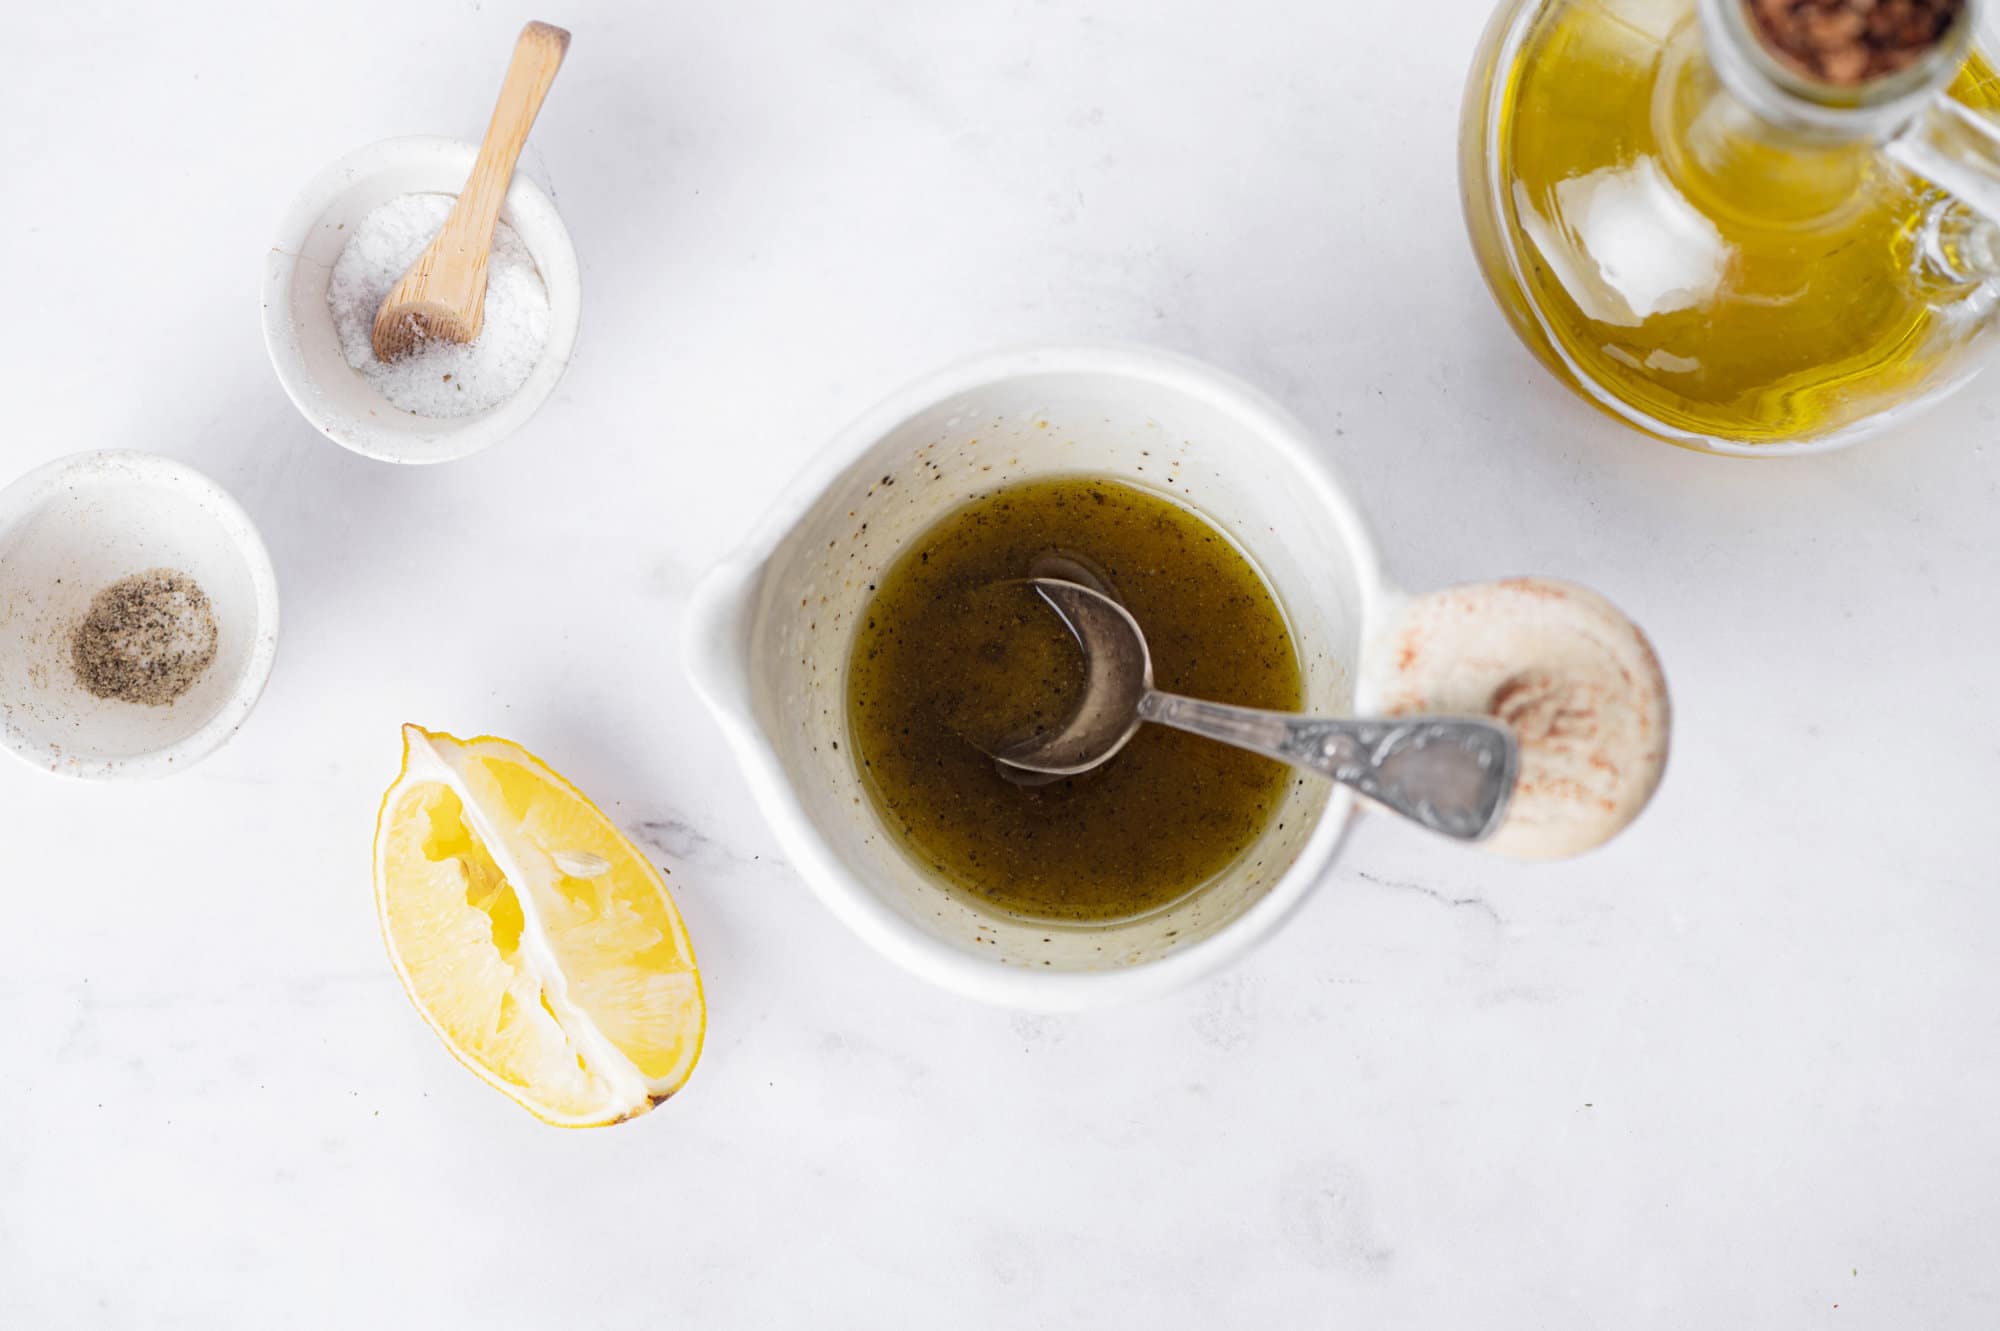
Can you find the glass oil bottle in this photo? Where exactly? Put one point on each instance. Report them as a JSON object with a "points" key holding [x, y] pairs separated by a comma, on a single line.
{"points": [[1717, 249]]}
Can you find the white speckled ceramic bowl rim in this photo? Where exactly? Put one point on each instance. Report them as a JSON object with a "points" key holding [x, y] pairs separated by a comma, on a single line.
{"points": [[720, 621], [327, 392], [28, 494]]}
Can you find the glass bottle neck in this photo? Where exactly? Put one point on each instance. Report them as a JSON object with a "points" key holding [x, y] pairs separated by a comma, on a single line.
{"points": [[1733, 140], [1739, 118]]}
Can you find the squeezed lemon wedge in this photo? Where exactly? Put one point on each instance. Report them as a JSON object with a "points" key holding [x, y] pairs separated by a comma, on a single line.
{"points": [[537, 941]]}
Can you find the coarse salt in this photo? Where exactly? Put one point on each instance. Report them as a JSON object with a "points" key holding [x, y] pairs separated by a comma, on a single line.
{"points": [[439, 378]]}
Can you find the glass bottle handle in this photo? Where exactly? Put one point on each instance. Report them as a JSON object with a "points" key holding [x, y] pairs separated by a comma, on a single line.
{"points": [[1958, 149]]}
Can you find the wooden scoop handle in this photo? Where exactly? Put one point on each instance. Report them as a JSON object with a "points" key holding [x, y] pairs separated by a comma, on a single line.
{"points": [[451, 274]]}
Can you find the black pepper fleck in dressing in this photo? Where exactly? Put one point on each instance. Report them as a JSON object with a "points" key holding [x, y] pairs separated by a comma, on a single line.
{"points": [[955, 652]]}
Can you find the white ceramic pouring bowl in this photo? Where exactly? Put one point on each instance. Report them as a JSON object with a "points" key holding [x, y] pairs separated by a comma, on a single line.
{"points": [[298, 327], [73, 527], [768, 634]]}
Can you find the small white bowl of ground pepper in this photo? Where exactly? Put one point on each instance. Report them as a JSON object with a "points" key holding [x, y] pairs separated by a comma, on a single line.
{"points": [[138, 616], [348, 237]]}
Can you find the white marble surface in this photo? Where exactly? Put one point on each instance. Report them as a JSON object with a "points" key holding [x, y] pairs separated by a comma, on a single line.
{"points": [[1738, 1070]]}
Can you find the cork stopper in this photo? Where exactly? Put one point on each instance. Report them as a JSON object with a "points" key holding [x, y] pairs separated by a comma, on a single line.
{"points": [[1846, 43]]}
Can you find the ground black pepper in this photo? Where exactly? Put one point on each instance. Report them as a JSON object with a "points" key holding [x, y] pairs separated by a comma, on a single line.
{"points": [[145, 639]]}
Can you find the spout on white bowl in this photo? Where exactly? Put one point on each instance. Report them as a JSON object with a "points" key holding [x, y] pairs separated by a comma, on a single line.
{"points": [[715, 639]]}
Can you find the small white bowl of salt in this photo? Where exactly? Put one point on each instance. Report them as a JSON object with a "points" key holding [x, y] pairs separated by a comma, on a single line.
{"points": [[347, 240], [138, 616]]}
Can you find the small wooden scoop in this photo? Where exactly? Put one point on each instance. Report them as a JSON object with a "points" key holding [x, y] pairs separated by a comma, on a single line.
{"points": [[443, 296]]}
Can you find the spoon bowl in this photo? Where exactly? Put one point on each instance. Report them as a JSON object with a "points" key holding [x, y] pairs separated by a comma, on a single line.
{"points": [[1118, 674]]}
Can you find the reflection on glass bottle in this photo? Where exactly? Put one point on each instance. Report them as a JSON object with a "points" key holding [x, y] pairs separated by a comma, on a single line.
{"points": [[1714, 249]]}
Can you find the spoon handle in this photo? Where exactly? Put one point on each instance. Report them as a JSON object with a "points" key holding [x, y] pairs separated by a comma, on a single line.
{"points": [[538, 54], [1450, 774]]}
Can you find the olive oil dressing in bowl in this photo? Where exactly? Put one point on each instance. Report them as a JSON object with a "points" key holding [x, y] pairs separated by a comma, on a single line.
{"points": [[954, 651]]}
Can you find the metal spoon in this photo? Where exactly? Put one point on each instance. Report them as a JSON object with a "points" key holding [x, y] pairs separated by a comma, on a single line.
{"points": [[1451, 774]]}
